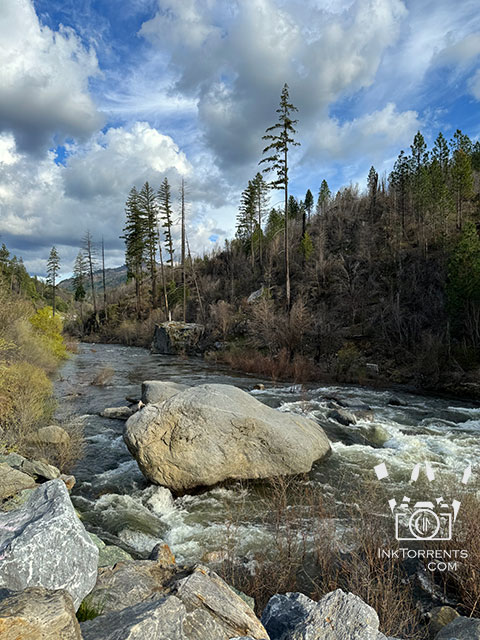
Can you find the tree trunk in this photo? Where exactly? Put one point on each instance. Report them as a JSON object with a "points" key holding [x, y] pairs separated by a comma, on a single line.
{"points": [[103, 281], [287, 260], [184, 284]]}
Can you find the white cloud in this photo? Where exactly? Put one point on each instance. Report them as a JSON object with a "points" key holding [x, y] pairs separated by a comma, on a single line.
{"points": [[474, 85], [372, 133], [43, 79], [44, 203]]}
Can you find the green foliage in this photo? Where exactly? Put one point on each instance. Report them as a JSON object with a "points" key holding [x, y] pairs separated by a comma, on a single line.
{"points": [[464, 270], [49, 329], [306, 246], [88, 611]]}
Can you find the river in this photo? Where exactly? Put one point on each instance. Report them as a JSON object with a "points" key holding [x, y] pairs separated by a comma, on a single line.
{"points": [[113, 497]]}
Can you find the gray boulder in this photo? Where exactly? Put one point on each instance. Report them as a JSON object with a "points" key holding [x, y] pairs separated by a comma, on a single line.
{"points": [[43, 543], [37, 614], [109, 554], [170, 338], [337, 616], [155, 391], [12, 481], [214, 432], [342, 416], [163, 619], [460, 629], [40, 470]]}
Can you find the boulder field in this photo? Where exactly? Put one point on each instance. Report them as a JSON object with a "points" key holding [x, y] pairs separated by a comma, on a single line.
{"points": [[210, 433]]}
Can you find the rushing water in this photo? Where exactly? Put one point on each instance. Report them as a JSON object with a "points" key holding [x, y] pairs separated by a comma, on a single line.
{"points": [[113, 496]]}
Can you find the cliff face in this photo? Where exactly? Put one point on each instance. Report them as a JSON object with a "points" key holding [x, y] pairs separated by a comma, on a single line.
{"points": [[171, 338]]}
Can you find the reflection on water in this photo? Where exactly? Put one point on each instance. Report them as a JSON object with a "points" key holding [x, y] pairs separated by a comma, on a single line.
{"points": [[112, 494]]}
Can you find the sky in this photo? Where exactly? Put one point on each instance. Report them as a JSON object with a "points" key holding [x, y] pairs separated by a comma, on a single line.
{"points": [[99, 95]]}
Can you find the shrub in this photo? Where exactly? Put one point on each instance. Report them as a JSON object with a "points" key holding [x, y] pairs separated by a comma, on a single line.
{"points": [[49, 328]]}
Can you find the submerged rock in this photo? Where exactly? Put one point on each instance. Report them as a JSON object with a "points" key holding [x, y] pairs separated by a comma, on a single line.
{"points": [[43, 543], [37, 614], [155, 391], [337, 616], [214, 432], [171, 338]]}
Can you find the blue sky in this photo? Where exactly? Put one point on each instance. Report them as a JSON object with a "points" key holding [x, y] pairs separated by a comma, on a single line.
{"points": [[96, 96]]}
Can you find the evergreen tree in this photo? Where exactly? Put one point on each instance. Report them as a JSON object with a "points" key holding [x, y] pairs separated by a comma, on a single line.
{"points": [[147, 205], [281, 139], [90, 254], [165, 207], [261, 202], [53, 267], [461, 172], [79, 281], [293, 208], [441, 153], [308, 203], [246, 218], [324, 195], [134, 237], [372, 183]]}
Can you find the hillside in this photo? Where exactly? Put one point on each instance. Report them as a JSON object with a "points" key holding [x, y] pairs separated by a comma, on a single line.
{"points": [[114, 277]]}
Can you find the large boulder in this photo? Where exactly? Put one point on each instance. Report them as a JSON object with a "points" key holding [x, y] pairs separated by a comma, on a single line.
{"points": [[37, 614], [337, 616], [171, 338], [52, 434], [214, 432], [43, 543], [155, 391]]}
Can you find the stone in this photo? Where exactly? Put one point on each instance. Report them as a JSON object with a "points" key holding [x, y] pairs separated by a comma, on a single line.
{"points": [[40, 470], [109, 554], [460, 629], [256, 295], [12, 481], [37, 614], [14, 460], [171, 338], [204, 589], [53, 434], [161, 553], [69, 481], [161, 619], [213, 432], [128, 583], [118, 413], [337, 616], [44, 544], [439, 617], [395, 401], [342, 416], [155, 391]]}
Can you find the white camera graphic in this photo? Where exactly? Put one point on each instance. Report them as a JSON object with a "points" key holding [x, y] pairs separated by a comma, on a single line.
{"points": [[429, 520]]}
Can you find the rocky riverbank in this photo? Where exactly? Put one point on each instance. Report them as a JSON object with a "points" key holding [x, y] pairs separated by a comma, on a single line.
{"points": [[50, 569]]}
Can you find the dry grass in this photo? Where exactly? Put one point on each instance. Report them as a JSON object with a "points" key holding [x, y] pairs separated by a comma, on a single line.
{"points": [[312, 553]]}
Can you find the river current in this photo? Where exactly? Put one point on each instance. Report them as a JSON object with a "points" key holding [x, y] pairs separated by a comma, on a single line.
{"points": [[113, 497]]}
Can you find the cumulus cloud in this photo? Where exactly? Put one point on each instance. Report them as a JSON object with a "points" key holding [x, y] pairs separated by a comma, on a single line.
{"points": [[240, 55], [372, 133], [43, 80], [43, 202]]}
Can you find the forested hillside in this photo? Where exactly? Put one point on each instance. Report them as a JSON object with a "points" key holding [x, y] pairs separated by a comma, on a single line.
{"points": [[355, 285]]}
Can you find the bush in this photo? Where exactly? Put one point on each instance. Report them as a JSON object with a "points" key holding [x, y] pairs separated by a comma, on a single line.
{"points": [[49, 329]]}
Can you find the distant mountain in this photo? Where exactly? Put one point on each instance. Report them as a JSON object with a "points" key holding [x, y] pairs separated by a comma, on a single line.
{"points": [[113, 278]]}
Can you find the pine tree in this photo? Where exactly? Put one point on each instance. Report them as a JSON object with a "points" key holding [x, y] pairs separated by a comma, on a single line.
{"points": [[261, 202], [147, 205], [90, 254], [461, 172], [53, 267], [372, 183], [246, 218], [79, 281], [165, 207], [134, 237], [324, 195], [281, 139]]}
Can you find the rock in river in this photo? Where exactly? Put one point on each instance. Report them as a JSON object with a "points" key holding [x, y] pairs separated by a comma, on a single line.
{"points": [[177, 337], [44, 544], [214, 432]]}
